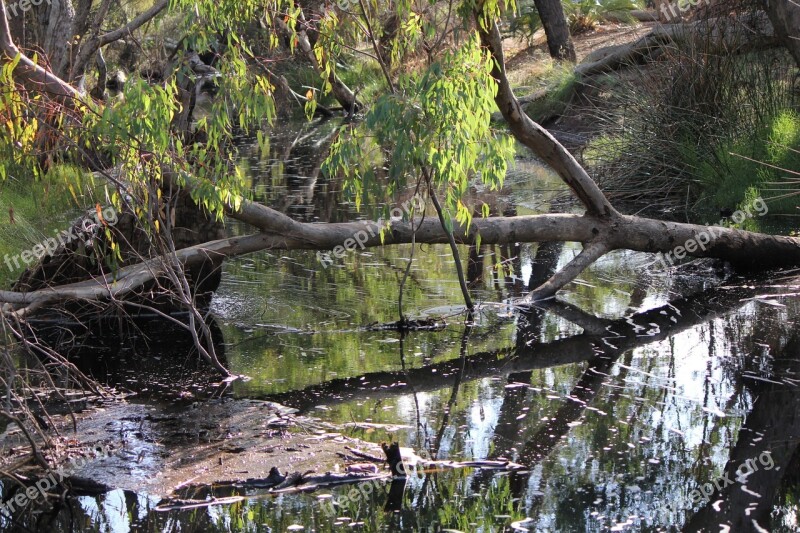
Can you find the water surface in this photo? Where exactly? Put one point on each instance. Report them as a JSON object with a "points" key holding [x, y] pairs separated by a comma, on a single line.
{"points": [[635, 389]]}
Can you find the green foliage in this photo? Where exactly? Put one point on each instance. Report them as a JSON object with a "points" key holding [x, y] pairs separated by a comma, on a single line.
{"points": [[411, 28], [608, 146], [670, 133], [525, 21], [210, 17], [136, 131], [18, 131], [765, 163], [581, 15], [40, 209], [438, 121], [584, 15], [560, 85]]}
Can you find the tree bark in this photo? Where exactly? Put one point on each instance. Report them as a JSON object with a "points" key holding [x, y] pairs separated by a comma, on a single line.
{"points": [[742, 248], [32, 76], [97, 40], [59, 36], [785, 18], [559, 41], [602, 229]]}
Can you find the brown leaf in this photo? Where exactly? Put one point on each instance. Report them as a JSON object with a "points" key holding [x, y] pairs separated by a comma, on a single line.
{"points": [[99, 211]]}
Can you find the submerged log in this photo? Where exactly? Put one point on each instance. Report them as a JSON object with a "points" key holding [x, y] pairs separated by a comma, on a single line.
{"points": [[603, 338]]}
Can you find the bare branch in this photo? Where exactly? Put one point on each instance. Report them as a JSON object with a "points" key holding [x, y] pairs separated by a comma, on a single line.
{"points": [[534, 136], [588, 255]]}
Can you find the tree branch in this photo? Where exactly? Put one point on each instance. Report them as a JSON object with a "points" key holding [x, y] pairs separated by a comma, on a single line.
{"points": [[590, 253], [133, 25], [533, 135], [31, 75], [743, 248]]}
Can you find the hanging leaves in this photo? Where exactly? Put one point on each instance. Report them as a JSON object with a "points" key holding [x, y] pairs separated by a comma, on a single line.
{"points": [[440, 120]]}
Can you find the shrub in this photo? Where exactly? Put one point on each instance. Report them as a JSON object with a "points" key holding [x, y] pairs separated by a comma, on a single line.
{"points": [[703, 125]]}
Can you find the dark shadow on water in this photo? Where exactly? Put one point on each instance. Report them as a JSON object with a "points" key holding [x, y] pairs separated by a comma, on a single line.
{"points": [[158, 361], [146, 355]]}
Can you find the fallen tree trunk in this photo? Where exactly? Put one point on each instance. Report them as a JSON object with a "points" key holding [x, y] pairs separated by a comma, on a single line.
{"points": [[746, 250], [601, 230], [724, 35]]}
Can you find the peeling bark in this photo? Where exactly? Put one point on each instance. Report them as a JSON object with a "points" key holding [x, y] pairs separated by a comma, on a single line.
{"points": [[58, 36], [32, 76]]}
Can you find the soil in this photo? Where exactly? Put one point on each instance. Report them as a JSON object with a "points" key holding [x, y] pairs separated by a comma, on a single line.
{"points": [[159, 449], [524, 60], [569, 117]]}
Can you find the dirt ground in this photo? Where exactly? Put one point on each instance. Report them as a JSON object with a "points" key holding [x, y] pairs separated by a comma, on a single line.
{"points": [[159, 449], [568, 117], [524, 61]]}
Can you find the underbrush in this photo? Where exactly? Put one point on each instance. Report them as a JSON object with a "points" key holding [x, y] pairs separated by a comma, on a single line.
{"points": [[33, 211], [765, 163], [582, 15], [558, 84], [703, 126]]}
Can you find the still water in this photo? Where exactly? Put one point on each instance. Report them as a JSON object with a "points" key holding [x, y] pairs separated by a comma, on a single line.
{"points": [[641, 400]]}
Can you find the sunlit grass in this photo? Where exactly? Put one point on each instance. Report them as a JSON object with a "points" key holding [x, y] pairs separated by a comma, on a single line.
{"points": [[30, 212]]}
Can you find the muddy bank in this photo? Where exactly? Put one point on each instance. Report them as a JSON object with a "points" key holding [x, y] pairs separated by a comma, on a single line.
{"points": [[159, 449]]}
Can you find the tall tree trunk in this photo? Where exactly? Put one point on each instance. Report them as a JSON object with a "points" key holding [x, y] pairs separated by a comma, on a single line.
{"points": [[58, 37], [31, 75], [70, 33], [559, 41]]}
